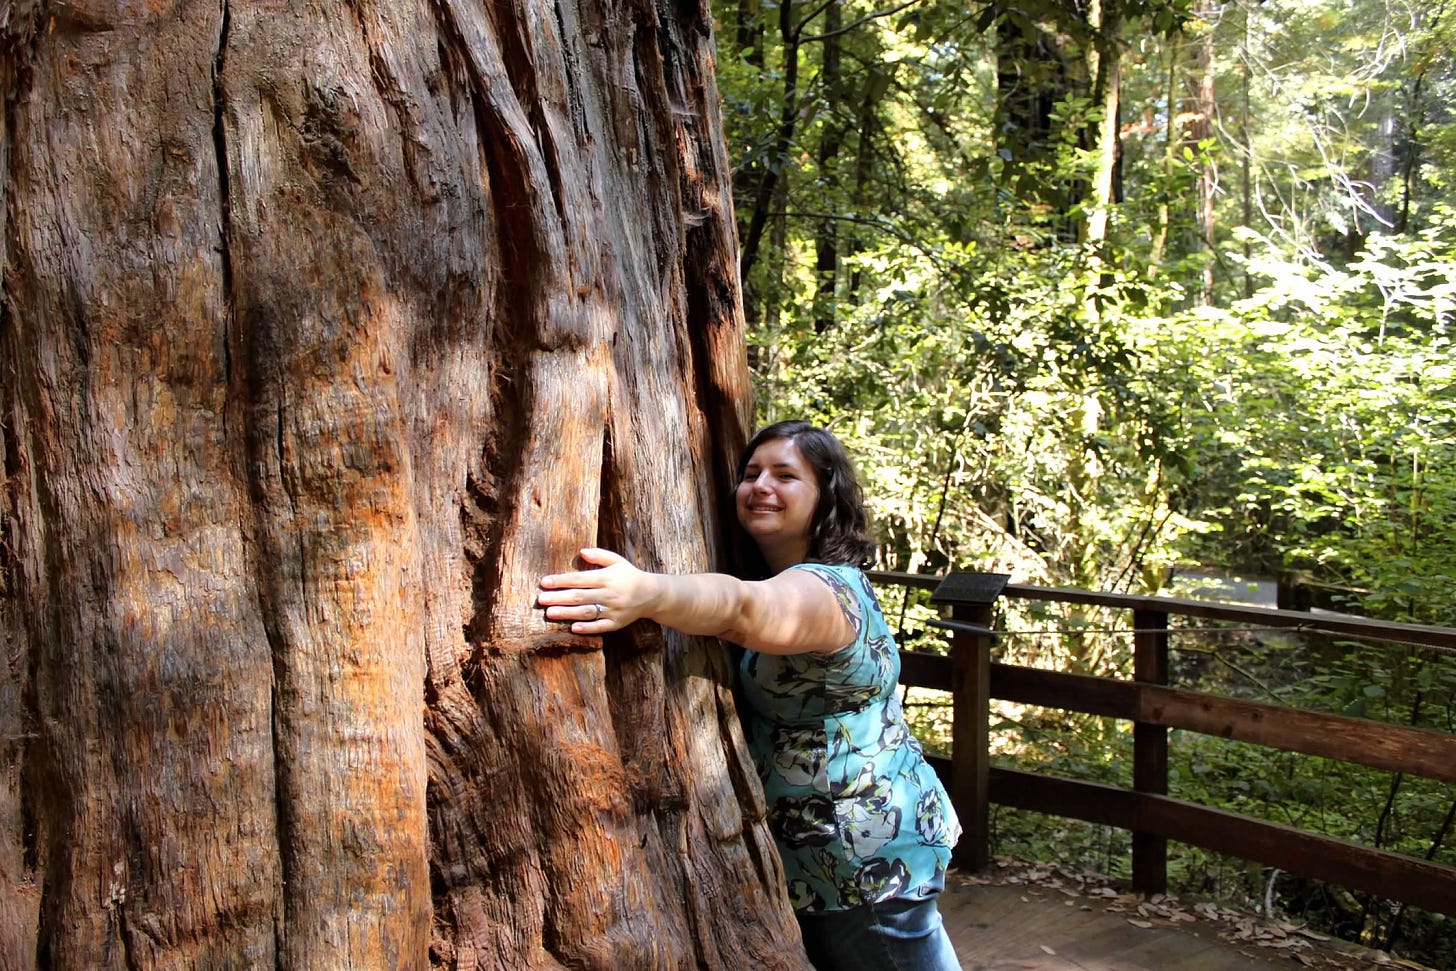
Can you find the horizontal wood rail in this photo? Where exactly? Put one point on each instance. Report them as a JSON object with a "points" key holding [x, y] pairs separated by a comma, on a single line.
{"points": [[1146, 810], [1441, 638], [1392, 875]]}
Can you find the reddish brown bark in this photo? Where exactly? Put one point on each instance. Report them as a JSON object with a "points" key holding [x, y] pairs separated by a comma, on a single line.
{"points": [[327, 329]]}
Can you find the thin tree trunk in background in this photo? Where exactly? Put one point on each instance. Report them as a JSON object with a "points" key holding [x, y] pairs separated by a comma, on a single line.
{"points": [[1030, 80], [1037, 69], [748, 31], [1200, 129], [1409, 148], [877, 81], [767, 183], [327, 329], [826, 235], [1163, 225], [1246, 151], [1104, 69]]}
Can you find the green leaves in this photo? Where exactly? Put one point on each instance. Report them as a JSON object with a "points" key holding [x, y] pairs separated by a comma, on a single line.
{"points": [[1250, 366], [1264, 393], [1321, 400]]}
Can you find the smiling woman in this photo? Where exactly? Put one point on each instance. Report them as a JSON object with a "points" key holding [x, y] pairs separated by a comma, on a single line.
{"points": [[862, 824]]}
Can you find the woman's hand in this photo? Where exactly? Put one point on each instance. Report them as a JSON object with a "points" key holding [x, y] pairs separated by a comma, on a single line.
{"points": [[597, 601]]}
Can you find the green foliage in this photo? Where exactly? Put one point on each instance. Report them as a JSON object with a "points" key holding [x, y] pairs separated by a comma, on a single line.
{"points": [[1321, 413], [1242, 363]]}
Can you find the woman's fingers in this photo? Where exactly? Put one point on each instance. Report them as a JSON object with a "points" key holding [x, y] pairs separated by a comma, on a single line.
{"points": [[585, 579], [600, 557], [592, 618], [567, 594], [573, 611], [574, 604], [592, 601], [568, 581], [594, 621]]}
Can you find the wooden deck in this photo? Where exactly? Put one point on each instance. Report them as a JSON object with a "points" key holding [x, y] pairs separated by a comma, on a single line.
{"points": [[998, 925]]}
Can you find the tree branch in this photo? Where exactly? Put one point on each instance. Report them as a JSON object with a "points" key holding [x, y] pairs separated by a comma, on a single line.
{"points": [[855, 23]]}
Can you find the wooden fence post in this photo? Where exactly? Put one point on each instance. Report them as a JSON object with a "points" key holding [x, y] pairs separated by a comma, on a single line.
{"points": [[1150, 749], [971, 598]]}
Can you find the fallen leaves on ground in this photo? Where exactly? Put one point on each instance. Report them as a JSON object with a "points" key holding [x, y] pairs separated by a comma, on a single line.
{"points": [[1303, 945]]}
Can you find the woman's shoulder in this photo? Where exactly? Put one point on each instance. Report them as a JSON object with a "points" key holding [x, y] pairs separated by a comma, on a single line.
{"points": [[850, 583], [845, 573]]}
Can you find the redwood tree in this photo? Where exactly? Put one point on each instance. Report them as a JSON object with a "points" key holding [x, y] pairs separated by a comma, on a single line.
{"points": [[328, 328]]}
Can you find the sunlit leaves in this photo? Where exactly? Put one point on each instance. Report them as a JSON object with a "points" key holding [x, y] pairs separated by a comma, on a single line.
{"points": [[1320, 407]]}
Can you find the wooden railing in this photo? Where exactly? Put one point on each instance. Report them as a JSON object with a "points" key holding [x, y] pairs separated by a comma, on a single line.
{"points": [[1153, 707]]}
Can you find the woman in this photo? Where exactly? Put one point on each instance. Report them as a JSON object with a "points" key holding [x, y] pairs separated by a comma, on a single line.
{"points": [[861, 822]]}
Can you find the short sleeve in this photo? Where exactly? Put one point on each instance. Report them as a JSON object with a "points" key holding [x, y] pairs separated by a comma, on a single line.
{"points": [[845, 594]]}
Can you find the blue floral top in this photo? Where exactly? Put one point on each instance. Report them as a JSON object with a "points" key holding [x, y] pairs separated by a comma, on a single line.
{"points": [[858, 814]]}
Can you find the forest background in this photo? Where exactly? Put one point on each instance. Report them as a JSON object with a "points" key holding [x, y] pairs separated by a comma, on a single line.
{"points": [[1101, 293]]}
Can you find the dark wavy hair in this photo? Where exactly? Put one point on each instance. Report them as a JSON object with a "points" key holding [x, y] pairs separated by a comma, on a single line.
{"points": [[839, 530]]}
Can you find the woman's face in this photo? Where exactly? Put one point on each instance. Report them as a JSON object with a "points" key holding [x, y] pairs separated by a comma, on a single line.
{"points": [[776, 499]]}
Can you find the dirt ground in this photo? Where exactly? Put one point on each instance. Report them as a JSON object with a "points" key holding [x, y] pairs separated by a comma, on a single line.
{"points": [[1063, 937]]}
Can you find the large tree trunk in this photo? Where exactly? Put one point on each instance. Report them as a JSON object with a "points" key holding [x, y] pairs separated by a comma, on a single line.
{"points": [[328, 328]]}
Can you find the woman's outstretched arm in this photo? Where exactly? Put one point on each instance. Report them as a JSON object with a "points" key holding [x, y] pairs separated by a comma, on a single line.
{"points": [[791, 613]]}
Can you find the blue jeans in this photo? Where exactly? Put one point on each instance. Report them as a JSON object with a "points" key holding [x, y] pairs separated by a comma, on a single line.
{"points": [[903, 933]]}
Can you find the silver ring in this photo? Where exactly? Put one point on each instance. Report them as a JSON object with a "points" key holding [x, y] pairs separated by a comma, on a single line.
{"points": [[600, 611]]}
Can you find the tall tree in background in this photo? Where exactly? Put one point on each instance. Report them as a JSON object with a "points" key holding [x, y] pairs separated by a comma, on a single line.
{"points": [[327, 329], [1036, 72], [1104, 70], [826, 237]]}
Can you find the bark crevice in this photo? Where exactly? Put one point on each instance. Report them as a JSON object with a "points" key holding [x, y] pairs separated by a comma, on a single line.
{"points": [[519, 321], [509, 130], [387, 86], [224, 192]]}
